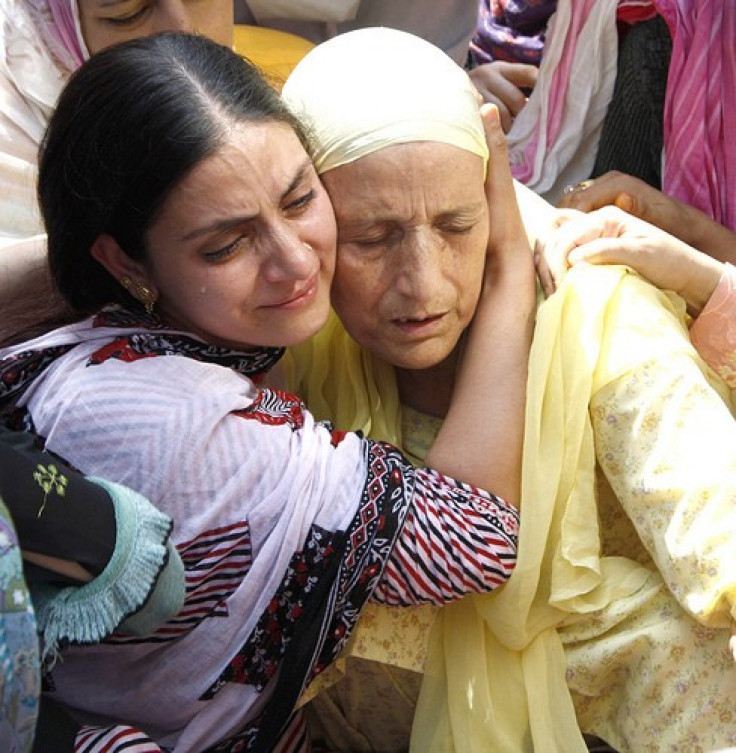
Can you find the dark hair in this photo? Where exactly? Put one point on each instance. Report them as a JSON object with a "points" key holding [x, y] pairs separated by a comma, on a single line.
{"points": [[129, 125]]}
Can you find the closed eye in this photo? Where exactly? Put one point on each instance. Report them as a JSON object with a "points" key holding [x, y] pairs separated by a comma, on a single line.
{"points": [[301, 203], [226, 251], [130, 20], [456, 228], [377, 236], [377, 241]]}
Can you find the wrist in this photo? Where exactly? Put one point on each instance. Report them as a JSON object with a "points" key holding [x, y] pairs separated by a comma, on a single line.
{"points": [[702, 284]]}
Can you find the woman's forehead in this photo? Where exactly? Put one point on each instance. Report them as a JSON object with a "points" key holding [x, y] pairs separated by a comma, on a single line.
{"points": [[399, 173]]}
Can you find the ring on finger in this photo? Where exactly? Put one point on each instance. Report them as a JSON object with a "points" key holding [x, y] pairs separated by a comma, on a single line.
{"points": [[581, 186]]}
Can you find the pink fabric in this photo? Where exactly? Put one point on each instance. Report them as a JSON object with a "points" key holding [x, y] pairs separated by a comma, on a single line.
{"points": [[700, 161], [64, 28], [558, 90], [714, 331], [700, 157]]}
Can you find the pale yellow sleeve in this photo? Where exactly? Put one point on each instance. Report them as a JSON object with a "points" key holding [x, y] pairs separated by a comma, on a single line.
{"points": [[666, 440]]}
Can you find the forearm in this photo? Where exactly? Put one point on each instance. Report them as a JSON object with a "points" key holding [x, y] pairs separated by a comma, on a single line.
{"points": [[29, 302], [708, 236], [537, 214], [455, 541], [665, 441]]}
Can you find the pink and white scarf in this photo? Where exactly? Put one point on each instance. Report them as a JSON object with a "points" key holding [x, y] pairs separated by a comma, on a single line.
{"points": [[59, 24]]}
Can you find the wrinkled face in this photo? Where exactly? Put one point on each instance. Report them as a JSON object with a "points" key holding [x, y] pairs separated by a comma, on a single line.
{"points": [[243, 251], [108, 22], [412, 230]]}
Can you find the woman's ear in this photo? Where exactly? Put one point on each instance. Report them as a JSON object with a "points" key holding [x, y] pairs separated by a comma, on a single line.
{"points": [[128, 272], [107, 252]]}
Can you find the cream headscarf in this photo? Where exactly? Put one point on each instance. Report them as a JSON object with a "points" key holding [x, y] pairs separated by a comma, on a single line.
{"points": [[411, 91]]}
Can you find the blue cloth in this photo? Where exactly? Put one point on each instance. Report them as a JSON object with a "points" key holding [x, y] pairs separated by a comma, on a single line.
{"points": [[20, 676]]}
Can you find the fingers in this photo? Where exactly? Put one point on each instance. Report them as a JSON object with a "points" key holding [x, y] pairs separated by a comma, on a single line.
{"points": [[561, 248], [501, 83], [606, 251], [505, 116], [612, 189], [486, 95], [578, 197], [512, 97], [544, 273], [499, 184], [627, 203], [521, 74], [507, 235]]}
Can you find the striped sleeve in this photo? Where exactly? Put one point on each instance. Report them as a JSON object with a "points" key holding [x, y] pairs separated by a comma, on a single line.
{"points": [[113, 739], [456, 540]]}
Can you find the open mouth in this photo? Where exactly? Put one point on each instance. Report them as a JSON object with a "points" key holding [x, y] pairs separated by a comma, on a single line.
{"points": [[418, 324]]}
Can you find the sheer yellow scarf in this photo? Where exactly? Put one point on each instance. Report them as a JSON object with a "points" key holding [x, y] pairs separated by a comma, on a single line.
{"points": [[495, 669]]}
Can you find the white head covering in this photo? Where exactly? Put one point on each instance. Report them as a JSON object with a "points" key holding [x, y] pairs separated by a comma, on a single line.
{"points": [[371, 88], [40, 46], [60, 27]]}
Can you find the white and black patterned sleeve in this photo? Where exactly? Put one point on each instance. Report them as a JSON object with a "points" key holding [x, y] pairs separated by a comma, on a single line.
{"points": [[456, 540]]}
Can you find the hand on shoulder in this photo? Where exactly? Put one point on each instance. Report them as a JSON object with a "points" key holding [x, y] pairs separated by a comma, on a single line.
{"points": [[612, 236]]}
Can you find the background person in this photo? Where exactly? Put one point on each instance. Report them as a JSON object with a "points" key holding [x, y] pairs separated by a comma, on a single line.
{"points": [[448, 24], [612, 236], [79, 559], [41, 43], [506, 51]]}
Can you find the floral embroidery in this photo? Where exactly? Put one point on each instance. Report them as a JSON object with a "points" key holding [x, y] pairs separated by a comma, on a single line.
{"points": [[259, 659], [49, 479]]}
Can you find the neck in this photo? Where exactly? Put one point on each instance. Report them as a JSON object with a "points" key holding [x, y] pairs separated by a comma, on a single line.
{"points": [[428, 390]]}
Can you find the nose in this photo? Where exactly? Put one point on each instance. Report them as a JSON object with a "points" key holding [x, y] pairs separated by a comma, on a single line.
{"points": [[174, 16], [287, 257], [418, 265]]}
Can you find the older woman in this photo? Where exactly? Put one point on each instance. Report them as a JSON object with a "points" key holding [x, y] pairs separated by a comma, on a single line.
{"points": [[616, 618]]}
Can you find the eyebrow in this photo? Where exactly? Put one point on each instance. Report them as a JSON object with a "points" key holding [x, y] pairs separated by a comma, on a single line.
{"points": [[466, 211], [230, 222]]}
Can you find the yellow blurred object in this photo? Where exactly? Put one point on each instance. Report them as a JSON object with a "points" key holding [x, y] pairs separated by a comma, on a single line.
{"points": [[274, 52]]}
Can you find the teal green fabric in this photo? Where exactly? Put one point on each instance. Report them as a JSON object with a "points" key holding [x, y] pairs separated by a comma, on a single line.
{"points": [[141, 587]]}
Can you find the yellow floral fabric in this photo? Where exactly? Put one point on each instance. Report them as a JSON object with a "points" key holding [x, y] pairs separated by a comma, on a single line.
{"points": [[616, 612]]}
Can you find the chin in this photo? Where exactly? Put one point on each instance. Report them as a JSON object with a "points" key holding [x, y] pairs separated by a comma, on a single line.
{"points": [[418, 359], [304, 330]]}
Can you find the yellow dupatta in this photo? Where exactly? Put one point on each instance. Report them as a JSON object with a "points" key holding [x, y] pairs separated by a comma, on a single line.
{"points": [[495, 671]]}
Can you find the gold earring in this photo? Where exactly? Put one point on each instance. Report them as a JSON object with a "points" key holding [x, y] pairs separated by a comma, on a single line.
{"points": [[140, 292], [146, 296]]}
